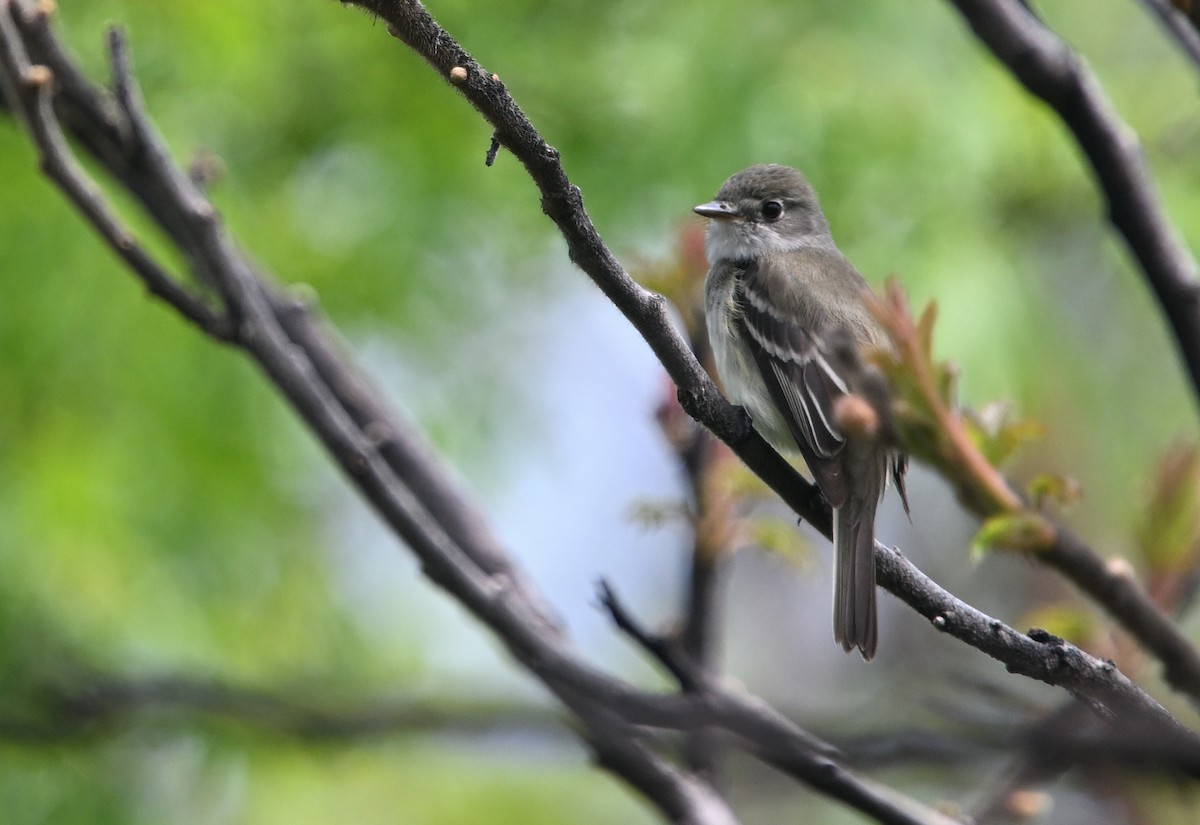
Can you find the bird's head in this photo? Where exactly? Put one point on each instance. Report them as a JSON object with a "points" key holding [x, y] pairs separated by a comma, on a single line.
{"points": [[763, 209]]}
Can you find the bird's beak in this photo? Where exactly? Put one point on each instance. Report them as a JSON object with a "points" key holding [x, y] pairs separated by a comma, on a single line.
{"points": [[719, 210]]}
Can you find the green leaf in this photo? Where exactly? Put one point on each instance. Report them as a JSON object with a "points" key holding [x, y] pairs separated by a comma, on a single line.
{"points": [[998, 433], [1025, 532], [1047, 487]]}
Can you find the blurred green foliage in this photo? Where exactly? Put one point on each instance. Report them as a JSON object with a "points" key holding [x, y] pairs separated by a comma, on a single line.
{"points": [[159, 508]]}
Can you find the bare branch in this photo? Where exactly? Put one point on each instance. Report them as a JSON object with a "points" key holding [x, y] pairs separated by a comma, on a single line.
{"points": [[96, 703], [1054, 73], [409, 21], [666, 650], [1051, 71], [1118, 591], [562, 202], [683, 797], [389, 465], [31, 86]]}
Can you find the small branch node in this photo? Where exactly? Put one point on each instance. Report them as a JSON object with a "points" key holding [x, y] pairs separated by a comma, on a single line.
{"points": [[302, 297], [493, 148], [378, 433], [1045, 637], [1120, 567], [458, 75], [498, 584], [360, 461], [38, 77]]}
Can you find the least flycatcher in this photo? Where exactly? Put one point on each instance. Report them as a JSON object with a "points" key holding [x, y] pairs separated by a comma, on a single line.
{"points": [[778, 291]]}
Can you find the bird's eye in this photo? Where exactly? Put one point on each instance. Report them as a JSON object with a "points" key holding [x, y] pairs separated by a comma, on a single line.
{"points": [[772, 210]]}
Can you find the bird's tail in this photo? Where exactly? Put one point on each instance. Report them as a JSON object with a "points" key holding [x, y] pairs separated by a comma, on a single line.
{"points": [[854, 622]]}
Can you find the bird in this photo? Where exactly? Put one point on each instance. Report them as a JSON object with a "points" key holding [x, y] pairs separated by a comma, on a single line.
{"points": [[781, 304]]}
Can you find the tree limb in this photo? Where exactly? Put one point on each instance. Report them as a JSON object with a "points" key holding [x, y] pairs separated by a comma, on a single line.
{"points": [[390, 465], [387, 462], [92, 703], [1053, 72], [409, 21]]}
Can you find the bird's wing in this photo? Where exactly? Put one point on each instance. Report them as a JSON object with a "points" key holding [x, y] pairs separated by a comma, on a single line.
{"points": [[802, 384]]}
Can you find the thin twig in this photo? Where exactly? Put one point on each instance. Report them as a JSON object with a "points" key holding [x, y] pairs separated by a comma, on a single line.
{"points": [[32, 85], [663, 648]]}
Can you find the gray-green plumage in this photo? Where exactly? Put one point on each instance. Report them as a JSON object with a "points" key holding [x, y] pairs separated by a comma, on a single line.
{"points": [[777, 289]]}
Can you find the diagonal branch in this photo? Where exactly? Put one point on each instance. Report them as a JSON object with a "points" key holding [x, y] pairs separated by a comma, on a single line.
{"points": [[390, 465], [1054, 73], [29, 84], [1179, 27], [386, 462], [935, 429], [562, 202]]}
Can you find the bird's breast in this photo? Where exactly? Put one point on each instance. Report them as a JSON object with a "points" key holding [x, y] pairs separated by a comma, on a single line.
{"points": [[735, 362]]}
